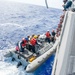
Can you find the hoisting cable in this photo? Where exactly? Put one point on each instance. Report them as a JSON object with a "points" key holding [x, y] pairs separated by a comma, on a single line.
{"points": [[46, 3]]}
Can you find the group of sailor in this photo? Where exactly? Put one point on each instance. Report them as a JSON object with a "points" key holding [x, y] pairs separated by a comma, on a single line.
{"points": [[31, 41], [50, 37], [28, 42]]}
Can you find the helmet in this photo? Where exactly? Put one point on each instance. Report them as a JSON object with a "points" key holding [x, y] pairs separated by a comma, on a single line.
{"points": [[35, 36]]}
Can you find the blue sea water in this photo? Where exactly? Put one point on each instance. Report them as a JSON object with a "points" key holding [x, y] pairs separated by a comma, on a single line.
{"points": [[19, 20]]}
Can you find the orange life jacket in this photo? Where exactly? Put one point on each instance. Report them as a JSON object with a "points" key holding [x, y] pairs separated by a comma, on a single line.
{"points": [[24, 43], [48, 34], [33, 41]]}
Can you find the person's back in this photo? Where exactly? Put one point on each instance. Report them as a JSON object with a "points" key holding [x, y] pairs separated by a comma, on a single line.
{"points": [[23, 44], [53, 33], [53, 36], [24, 41], [33, 42], [47, 36], [67, 5]]}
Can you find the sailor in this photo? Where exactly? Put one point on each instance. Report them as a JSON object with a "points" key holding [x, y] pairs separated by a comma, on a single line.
{"points": [[33, 42], [28, 45], [67, 5], [17, 46], [65, 1], [23, 44], [59, 26], [56, 36], [53, 35], [58, 31], [48, 36], [61, 19], [62, 16]]}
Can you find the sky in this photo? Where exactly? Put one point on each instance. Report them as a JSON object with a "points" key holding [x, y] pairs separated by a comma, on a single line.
{"points": [[51, 3]]}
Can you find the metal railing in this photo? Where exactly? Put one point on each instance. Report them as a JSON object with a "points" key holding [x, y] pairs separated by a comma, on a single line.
{"points": [[57, 51]]}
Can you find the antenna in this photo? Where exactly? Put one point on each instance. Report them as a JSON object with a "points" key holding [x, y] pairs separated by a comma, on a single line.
{"points": [[46, 3]]}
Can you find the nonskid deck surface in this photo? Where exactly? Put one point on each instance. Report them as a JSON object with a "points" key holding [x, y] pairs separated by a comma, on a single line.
{"points": [[46, 47], [27, 54]]}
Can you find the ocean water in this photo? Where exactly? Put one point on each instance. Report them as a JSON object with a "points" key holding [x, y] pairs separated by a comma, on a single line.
{"points": [[18, 20]]}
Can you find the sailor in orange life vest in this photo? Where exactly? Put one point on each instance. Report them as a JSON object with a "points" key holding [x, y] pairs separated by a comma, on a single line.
{"points": [[48, 35], [23, 44], [33, 42]]}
